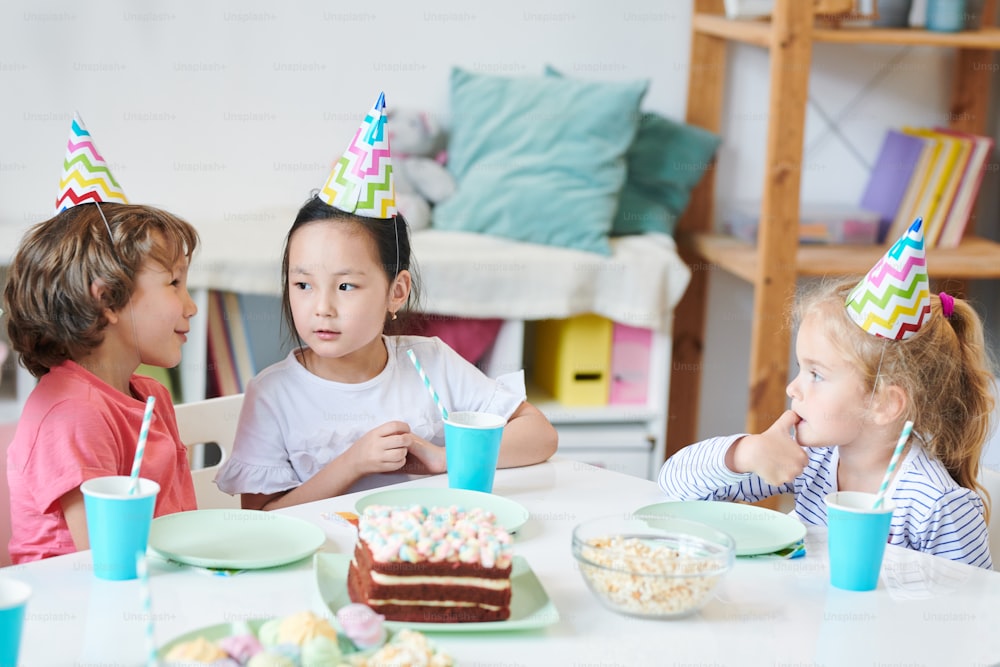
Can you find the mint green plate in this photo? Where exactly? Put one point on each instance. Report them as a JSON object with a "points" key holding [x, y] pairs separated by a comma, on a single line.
{"points": [[530, 606], [233, 539], [756, 530], [509, 514]]}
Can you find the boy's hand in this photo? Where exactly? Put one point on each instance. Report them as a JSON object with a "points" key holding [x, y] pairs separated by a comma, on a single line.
{"points": [[774, 455], [382, 449]]}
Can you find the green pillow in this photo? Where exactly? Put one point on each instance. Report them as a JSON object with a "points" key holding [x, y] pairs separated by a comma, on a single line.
{"points": [[538, 159], [665, 162], [639, 212]]}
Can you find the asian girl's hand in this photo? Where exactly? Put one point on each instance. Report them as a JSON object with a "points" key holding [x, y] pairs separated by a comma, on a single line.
{"points": [[424, 457], [382, 449], [774, 455]]}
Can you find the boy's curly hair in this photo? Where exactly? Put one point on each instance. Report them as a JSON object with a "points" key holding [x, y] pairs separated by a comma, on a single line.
{"points": [[52, 315]]}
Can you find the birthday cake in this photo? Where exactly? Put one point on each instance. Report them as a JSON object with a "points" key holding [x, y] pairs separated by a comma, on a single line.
{"points": [[432, 565]]}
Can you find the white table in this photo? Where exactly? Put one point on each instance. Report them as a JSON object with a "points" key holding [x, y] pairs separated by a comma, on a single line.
{"points": [[926, 611]]}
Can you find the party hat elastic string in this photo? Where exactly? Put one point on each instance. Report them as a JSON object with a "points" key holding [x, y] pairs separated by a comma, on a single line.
{"points": [[878, 373]]}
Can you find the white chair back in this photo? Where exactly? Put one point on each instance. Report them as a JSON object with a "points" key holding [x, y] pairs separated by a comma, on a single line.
{"points": [[990, 479], [6, 435], [200, 423]]}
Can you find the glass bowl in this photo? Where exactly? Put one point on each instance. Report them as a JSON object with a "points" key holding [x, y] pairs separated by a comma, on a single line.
{"points": [[651, 566]]}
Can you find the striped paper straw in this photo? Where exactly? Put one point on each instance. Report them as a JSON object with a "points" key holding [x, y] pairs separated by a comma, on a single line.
{"points": [[147, 607], [140, 447], [903, 437], [427, 383]]}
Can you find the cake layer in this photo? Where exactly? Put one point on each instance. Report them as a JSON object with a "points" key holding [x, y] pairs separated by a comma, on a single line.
{"points": [[449, 589], [366, 561], [426, 610], [439, 614]]}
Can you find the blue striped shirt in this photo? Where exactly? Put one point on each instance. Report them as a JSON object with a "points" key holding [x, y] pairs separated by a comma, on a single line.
{"points": [[933, 513]]}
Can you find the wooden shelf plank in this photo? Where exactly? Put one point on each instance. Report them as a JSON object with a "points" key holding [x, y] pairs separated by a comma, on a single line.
{"points": [[975, 258], [748, 32], [985, 38], [758, 33]]}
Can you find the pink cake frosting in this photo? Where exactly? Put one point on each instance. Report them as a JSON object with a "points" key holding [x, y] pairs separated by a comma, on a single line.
{"points": [[435, 534]]}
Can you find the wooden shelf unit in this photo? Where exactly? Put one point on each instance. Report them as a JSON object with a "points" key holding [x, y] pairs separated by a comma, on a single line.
{"points": [[776, 261]]}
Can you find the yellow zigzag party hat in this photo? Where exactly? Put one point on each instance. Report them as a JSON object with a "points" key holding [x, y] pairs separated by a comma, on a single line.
{"points": [[86, 176], [894, 299], [361, 181]]}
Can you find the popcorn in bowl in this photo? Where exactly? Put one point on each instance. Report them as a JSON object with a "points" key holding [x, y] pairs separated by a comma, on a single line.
{"points": [[657, 567]]}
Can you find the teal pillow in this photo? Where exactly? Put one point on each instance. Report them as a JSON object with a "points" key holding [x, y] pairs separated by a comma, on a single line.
{"points": [[538, 159], [665, 162]]}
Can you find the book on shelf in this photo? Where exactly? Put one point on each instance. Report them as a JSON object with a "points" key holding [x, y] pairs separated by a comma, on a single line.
{"points": [[943, 184], [262, 319], [222, 375], [898, 157], [903, 217], [239, 338], [244, 337], [970, 181], [953, 172], [935, 185]]}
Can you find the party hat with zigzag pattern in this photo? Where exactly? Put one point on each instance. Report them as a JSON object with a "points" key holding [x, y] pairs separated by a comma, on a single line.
{"points": [[894, 299], [361, 181], [86, 176]]}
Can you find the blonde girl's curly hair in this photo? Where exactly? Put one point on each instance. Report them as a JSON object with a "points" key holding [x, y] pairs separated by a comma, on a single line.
{"points": [[944, 370], [51, 314]]}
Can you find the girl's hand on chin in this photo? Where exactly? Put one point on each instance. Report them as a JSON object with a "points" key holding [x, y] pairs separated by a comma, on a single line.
{"points": [[774, 455]]}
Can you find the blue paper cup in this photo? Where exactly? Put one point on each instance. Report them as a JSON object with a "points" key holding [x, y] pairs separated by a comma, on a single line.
{"points": [[472, 445], [857, 534], [13, 599], [117, 523]]}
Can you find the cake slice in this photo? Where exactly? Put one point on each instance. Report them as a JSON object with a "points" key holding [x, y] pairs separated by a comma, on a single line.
{"points": [[432, 565]]}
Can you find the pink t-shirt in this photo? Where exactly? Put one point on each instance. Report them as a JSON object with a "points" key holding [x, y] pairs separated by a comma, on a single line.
{"points": [[75, 427]]}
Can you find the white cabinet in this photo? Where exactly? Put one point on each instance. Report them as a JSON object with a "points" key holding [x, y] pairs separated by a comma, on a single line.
{"points": [[625, 438]]}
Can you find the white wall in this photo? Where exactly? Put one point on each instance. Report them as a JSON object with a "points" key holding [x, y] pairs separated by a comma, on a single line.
{"points": [[224, 108], [218, 110]]}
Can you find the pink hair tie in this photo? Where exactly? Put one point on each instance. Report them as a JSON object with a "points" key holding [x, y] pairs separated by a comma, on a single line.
{"points": [[947, 304]]}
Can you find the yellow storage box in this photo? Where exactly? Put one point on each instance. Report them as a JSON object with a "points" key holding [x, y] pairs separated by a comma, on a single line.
{"points": [[572, 359]]}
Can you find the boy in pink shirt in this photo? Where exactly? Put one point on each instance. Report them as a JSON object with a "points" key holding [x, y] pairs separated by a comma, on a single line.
{"points": [[93, 293]]}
